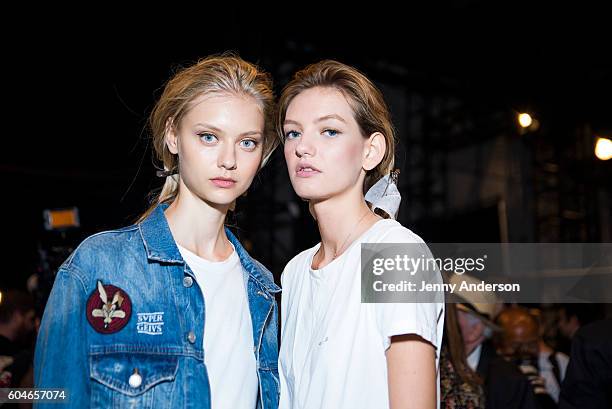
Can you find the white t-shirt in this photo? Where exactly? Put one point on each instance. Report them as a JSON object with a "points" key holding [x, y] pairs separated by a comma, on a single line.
{"points": [[332, 352], [546, 371], [228, 335]]}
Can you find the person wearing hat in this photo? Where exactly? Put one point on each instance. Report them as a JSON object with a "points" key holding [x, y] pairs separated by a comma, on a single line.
{"points": [[504, 385]]}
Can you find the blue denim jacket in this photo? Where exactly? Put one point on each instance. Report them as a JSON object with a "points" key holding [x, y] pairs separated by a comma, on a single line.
{"points": [[151, 356]]}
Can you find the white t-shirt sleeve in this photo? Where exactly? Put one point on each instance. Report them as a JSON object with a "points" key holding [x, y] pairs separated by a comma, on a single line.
{"points": [[408, 318], [422, 319]]}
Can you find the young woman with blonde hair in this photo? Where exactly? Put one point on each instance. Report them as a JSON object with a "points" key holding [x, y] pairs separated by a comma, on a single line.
{"points": [[172, 312]]}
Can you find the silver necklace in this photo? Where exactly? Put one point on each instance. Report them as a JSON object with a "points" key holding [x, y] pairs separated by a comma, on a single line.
{"points": [[341, 248]]}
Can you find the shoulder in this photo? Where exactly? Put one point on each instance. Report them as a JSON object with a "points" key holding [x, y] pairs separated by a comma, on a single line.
{"points": [[593, 343], [392, 231], [110, 241], [297, 264], [596, 331], [101, 249]]}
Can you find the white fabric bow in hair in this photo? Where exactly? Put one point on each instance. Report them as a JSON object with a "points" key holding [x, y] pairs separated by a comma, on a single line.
{"points": [[385, 195]]}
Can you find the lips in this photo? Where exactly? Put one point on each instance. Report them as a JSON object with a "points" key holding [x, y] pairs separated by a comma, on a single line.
{"points": [[223, 182], [305, 170]]}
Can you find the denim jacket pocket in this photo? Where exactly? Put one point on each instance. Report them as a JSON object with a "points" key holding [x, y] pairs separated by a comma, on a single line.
{"points": [[132, 380]]}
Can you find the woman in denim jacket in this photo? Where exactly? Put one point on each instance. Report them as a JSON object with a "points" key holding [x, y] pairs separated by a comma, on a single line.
{"points": [[172, 312]]}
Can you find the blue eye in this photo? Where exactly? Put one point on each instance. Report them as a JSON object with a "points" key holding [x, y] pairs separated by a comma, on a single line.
{"points": [[248, 144], [331, 132], [208, 138], [291, 134]]}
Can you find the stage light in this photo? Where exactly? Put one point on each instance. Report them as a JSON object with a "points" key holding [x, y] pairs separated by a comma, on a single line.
{"points": [[61, 219], [603, 148], [525, 120]]}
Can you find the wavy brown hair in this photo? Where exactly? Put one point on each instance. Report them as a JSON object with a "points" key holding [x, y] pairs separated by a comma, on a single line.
{"points": [[369, 107]]}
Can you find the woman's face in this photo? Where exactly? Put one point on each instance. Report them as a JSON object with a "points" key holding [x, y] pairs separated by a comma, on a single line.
{"points": [[324, 147], [219, 144]]}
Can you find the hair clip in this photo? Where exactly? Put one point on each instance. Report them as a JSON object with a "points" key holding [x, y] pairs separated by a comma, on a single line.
{"points": [[165, 173], [394, 175]]}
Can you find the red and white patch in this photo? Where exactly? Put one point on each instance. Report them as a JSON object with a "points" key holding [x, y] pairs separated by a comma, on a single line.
{"points": [[108, 309]]}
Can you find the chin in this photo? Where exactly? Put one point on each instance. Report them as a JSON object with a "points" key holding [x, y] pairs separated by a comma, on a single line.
{"points": [[304, 192], [219, 199], [310, 194], [319, 190]]}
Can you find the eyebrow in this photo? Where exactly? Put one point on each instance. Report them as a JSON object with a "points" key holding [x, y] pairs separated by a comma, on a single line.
{"points": [[219, 130], [209, 126], [251, 133], [332, 116], [292, 122], [321, 119]]}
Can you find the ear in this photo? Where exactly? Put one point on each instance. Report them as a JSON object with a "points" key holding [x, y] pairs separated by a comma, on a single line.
{"points": [[374, 151], [171, 138]]}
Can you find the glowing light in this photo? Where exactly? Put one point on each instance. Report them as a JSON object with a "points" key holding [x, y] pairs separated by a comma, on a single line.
{"points": [[525, 120], [603, 148]]}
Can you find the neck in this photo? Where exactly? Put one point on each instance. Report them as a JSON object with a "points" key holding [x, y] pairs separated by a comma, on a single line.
{"points": [[198, 226], [341, 219], [470, 346]]}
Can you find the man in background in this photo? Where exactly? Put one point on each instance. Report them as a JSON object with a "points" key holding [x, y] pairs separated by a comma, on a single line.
{"points": [[17, 332]]}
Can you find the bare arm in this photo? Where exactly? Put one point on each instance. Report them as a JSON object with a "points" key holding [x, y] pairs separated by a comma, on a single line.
{"points": [[412, 373]]}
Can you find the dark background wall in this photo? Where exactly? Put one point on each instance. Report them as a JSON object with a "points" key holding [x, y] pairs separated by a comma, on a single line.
{"points": [[78, 90]]}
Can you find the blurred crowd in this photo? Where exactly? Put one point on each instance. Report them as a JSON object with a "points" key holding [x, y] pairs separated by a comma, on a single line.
{"points": [[494, 355], [526, 356]]}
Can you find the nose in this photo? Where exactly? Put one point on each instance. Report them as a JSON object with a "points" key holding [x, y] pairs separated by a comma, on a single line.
{"points": [[304, 147], [227, 158]]}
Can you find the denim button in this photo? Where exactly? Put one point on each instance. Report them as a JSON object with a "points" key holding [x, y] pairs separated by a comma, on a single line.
{"points": [[187, 281], [191, 337], [135, 379]]}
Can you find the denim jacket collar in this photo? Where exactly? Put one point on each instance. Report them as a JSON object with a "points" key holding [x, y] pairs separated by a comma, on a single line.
{"points": [[160, 246]]}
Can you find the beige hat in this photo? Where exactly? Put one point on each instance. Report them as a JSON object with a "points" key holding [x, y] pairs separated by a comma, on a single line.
{"points": [[484, 305]]}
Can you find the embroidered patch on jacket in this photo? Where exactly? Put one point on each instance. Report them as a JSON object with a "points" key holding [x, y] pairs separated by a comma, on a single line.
{"points": [[108, 309], [150, 323]]}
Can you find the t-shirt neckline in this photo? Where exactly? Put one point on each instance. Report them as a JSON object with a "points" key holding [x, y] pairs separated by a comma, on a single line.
{"points": [[318, 272]]}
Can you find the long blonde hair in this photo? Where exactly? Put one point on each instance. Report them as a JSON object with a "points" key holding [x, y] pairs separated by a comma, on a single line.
{"points": [[369, 107], [221, 74]]}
